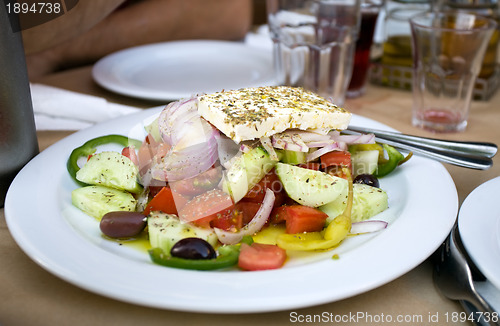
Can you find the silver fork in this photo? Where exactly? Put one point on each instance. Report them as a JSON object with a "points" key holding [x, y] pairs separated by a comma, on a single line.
{"points": [[474, 155], [454, 278]]}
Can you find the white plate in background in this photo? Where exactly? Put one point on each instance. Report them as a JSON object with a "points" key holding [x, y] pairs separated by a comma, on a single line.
{"points": [[174, 70]]}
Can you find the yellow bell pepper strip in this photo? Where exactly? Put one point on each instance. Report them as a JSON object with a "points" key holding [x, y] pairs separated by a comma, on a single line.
{"points": [[407, 157], [395, 157], [331, 236], [339, 228], [227, 257], [305, 241], [90, 147]]}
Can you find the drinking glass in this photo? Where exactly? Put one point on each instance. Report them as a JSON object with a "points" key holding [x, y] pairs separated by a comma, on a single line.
{"points": [[370, 10], [448, 49], [314, 43]]}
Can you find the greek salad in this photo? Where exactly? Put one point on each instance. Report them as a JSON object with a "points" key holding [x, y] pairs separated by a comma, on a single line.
{"points": [[211, 194]]}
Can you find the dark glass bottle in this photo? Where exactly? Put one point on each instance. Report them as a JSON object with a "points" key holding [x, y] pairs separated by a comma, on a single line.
{"points": [[18, 141]]}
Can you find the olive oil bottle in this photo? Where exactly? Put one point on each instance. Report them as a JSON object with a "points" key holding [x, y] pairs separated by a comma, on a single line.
{"points": [[397, 48]]}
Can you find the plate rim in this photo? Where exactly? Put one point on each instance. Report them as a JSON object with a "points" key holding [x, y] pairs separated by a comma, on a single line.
{"points": [[103, 76], [252, 304], [484, 249]]}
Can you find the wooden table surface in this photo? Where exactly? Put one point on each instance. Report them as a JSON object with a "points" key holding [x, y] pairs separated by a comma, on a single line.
{"points": [[33, 296]]}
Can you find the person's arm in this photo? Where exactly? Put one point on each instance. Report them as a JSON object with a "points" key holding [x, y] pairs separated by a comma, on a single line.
{"points": [[146, 22], [85, 15]]}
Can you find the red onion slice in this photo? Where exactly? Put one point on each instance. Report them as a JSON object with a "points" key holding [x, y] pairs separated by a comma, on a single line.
{"points": [[253, 226], [268, 146], [320, 143], [244, 148], [196, 133], [368, 226], [308, 136], [327, 149], [163, 125], [226, 148], [290, 142], [183, 165], [173, 116], [353, 139], [193, 140]]}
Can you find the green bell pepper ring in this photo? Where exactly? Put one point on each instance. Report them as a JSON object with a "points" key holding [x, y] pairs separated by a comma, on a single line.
{"points": [[90, 147], [228, 257], [395, 157]]}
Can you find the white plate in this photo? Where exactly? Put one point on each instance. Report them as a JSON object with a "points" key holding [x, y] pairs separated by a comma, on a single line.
{"points": [[174, 70], [423, 207], [479, 225]]}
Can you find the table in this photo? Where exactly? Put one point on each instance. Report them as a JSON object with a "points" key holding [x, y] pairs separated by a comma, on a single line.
{"points": [[32, 296]]}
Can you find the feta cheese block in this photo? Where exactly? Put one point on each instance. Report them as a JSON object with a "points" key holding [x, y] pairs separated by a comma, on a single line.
{"points": [[256, 112]]}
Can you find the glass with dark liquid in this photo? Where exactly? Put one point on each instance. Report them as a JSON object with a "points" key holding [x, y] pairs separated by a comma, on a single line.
{"points": [[369, 15]]}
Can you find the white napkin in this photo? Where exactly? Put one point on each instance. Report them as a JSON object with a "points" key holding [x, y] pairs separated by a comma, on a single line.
{"points": [[60, 109]]}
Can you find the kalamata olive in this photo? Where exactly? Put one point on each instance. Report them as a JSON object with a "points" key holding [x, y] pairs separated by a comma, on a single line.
{"points": [[193, 248], [367, 179], [122, 224]]}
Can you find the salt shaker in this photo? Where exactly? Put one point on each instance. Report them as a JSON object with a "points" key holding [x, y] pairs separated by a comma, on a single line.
{"points": [[18, 140]]}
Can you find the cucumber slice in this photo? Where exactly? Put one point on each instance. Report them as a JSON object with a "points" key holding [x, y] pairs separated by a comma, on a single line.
{"points": [[110, 169], [293, 157], [368, 201], [166, 229], [98, 200], [364, 162], [246, 171], [310, 187], [154, 130]]}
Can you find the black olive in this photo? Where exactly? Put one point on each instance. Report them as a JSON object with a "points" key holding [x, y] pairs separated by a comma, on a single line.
{"points": [[367, 179], [122, 224], [193, 248]]}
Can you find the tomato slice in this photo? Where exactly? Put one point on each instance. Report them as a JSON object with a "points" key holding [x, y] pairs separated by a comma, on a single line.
{"points": [[166, 201], [333, 163], [228, 220], [206, 206], [148, 150], [278, 215], [259, 256], [271, 181], [337, 158], [130, 153], [247, 209], [231, 219], [303, 219], [197, 185], [144, 156]]}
